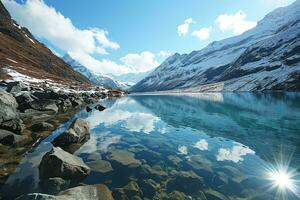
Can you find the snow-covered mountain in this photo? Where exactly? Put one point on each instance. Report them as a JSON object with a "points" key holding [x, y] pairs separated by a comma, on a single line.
{"points": [[100, 80], [130, 78], [266, 57]]}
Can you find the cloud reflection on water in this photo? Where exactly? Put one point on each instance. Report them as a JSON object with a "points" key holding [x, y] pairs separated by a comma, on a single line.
{"points": [[235, 154]]}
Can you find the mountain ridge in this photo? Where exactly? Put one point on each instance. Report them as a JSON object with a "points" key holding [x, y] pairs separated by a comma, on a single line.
{"points": [[259, 59]]}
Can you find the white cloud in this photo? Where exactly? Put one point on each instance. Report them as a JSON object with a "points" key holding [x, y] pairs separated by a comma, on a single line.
{"points": [[183, 29], [164, 54], [81, 44], [105, 66], [236, 23], [183, 150], [201, 145], [203, 33], [58, 29], [142, 62], [235, 154], [141, 122]]}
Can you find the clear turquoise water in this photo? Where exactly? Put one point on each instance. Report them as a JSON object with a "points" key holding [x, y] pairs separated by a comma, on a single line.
{"points": [[228, 144]]}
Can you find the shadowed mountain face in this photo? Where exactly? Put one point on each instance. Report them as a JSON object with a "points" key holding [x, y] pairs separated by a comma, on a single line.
{"points": [[264, 58], [21, 52], [246, 117]]}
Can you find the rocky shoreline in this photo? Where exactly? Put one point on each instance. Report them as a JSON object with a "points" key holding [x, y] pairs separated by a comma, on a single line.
{"points": [[30, 112]]}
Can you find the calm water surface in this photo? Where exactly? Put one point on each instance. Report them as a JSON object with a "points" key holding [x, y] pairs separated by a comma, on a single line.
{"points": [[222, 146]]}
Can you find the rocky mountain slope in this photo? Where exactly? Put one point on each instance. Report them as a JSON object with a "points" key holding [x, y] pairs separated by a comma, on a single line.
{"points": [[266, 57], [100, 80], [21, 53]]}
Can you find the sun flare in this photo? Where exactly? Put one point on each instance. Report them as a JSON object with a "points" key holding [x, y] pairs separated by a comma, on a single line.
{"points": [[282, 179]]}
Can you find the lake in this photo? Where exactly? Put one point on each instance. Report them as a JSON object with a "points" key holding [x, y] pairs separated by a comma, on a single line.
{"points": [[188, 146]]}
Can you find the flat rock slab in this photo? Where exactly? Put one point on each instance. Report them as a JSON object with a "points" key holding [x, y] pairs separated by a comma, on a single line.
{"points": [[44, 105], [101, 166], [89, 192], [124, 157]]}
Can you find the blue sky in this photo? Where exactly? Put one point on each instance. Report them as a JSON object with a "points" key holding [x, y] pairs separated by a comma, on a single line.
{"points": [[136, 35]]}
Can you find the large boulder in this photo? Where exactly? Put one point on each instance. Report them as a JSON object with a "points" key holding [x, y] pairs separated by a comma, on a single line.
{"points": [[23, 99], [89, 192], [54, 185], [9, 117], [78, 132], [44, 105], [15, 125], [8, 99], [8, 138], [59, 163]]}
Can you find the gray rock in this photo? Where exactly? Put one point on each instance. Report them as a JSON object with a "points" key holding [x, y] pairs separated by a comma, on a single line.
{"points": [[54, 185], [47, 95], [15, 87], [59, 163], [88, 109], [77, 133], [89, 192], [185, 181], [8, 99], [8, 138], [9, 118], [176, 195], [100, 107], [15, 125], [123, 157], [42, 126], [65, 104], [36, 196], [44, 105], [101, 166], [132, 189], [23, 98], [76, 101], [149, 187]]}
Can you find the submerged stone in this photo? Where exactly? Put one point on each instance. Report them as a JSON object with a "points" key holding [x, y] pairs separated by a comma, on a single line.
{"points": [[132, 189], [176, 195], [185, 181], [89, 192], [149, 187], [101, 166], [124, 158], [215, 195]]}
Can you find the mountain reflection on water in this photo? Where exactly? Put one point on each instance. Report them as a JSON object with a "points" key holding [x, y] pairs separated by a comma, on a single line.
{"points": [[214, 145]]}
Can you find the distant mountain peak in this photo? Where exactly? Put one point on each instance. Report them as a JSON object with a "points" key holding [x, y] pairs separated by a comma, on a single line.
{"points": [[97, 79], [266, 57]]}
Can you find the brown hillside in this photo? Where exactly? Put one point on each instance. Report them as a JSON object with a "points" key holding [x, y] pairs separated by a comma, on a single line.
{"points": [[31, 57]]}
